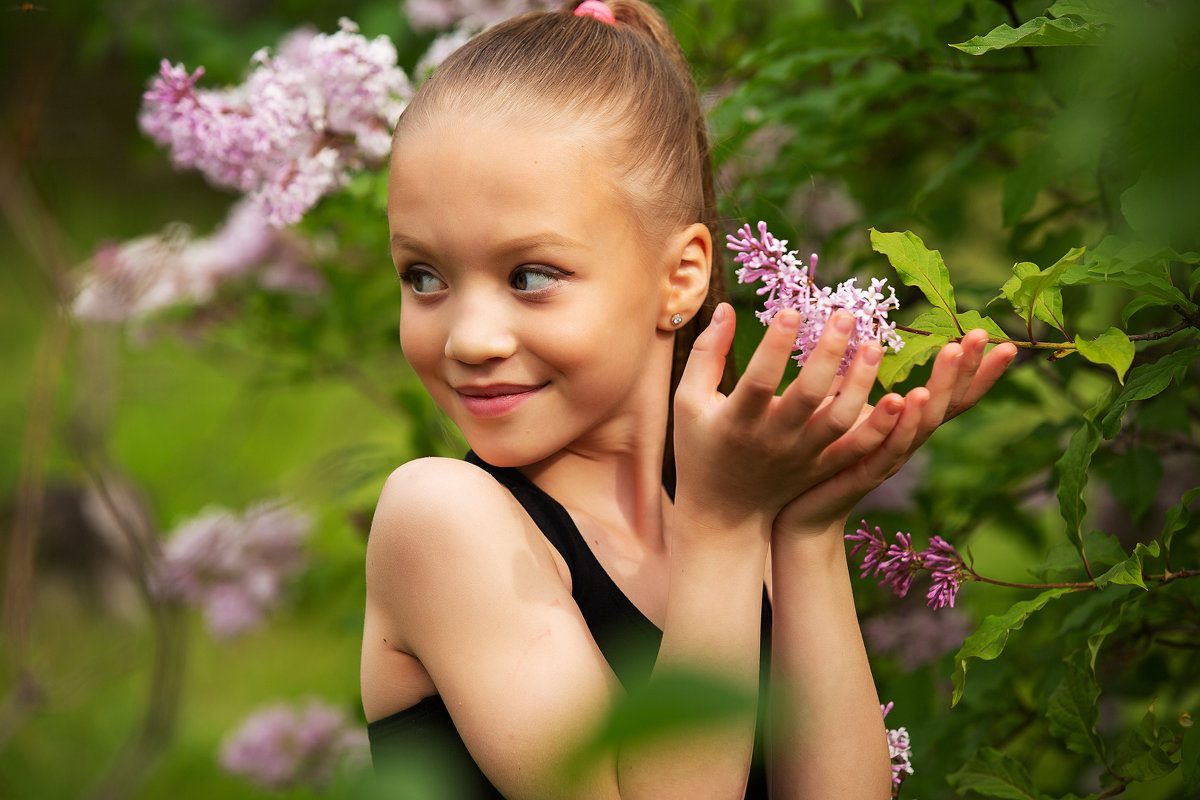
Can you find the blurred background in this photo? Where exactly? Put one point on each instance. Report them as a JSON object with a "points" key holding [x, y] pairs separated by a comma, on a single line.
{"points": [[119, 437]]}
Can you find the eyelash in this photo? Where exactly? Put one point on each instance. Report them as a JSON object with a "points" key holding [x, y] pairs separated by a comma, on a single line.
{"points": [[411, 275]]}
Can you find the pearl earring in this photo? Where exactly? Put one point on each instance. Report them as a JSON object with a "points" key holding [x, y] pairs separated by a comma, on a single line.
{"points": [[677, 320]]}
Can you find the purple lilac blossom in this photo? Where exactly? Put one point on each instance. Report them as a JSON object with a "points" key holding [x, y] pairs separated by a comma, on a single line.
{"points": [[280, 746], [321, 106], [139, 277], [428, 15], [896, 565], [900, 749], [233, 566], [788, 283]]}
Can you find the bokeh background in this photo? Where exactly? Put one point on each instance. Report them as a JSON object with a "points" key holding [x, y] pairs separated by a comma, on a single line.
{"points": [[826, 123]]}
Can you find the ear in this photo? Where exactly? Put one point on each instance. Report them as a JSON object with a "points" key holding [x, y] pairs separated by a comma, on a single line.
{"points": [[686, 282]]}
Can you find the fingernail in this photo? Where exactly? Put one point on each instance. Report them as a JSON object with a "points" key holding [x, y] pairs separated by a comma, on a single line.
{"points": [[893, 406], [843, 322], [872, 355], [719, 313], [789, 317]]}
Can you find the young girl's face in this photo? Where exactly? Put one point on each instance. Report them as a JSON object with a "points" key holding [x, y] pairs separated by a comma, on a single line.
{"points": [[532, 304]]}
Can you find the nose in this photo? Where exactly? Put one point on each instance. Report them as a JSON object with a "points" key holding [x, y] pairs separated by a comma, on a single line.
{"points": [[481, 329]]}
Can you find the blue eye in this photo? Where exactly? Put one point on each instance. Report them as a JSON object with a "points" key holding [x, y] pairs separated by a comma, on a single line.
{"points": [[422, 281], [527, 279]]}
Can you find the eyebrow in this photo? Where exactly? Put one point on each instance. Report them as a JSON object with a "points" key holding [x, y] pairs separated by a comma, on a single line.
{"points": [[520, 244]]}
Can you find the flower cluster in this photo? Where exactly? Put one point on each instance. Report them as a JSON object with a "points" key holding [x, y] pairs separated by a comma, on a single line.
{"points": [[280, 746], [895, 565], [136, 278], [428, 15], [231, 566], [322, 105], [788, 283], [900, 750]]}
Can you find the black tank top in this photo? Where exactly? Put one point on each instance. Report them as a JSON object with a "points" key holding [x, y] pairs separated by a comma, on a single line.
{"points": [[424, 734]]}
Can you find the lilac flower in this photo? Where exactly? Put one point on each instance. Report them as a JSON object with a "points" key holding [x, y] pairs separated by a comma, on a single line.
{"points": [[896, 565], [788, 283], [279, 746], [900, 749], [947, 567], [323, 105], [427, 15], [233, 566], [139, 277]]}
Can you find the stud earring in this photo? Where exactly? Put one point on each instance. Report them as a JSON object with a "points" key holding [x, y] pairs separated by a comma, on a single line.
{"points": [[677, 320]]}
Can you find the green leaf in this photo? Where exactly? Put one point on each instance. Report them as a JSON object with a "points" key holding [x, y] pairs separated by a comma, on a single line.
{"points": [[917, 349], [1036, 293], [918, 266], [1111, 348], [1071, 709], [1129, 571], [1193, 283], [1037, 32], [988, 641], [857, 6], [672, 704], [1178, 517], [1087, 10], [993, 774], [1137, 304], [1189, 753], [1146, 381], [1072, 469], [1142, 752]]}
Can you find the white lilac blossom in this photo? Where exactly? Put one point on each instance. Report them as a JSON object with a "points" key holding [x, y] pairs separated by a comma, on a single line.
{"points": [[789, 283], [429, 15], [321, 106], [139, 277], [900, 750], [895, 565], [281, 746], [233, 566]]}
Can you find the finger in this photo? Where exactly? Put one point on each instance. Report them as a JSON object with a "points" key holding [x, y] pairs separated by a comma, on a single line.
{"points": [[973, 344], [706, 363], [941, 387], [863, 438], [842, 412], [756, 387], [820, 370], [991, 368]]}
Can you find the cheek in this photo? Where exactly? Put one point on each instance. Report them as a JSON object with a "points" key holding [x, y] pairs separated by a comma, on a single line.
{"points": [[418, 339]]}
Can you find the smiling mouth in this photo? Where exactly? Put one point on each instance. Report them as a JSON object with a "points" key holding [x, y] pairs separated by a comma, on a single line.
{"points": [[495, 400]]}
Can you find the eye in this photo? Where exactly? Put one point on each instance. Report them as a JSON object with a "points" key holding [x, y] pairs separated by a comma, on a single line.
{"points": [[535, 279], [422, 281]]}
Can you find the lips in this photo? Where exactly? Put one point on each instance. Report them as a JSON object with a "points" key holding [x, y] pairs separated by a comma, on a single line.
{"points": [[495, 399]]}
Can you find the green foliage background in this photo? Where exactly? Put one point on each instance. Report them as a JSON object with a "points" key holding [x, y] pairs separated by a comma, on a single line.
{"points": [[1049, 128]]}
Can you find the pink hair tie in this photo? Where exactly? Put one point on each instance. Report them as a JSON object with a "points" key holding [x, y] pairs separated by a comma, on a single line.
{"points": [[596, 9]]}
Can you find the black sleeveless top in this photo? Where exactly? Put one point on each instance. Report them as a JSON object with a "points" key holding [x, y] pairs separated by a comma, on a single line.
{"points": [[424, 734]]}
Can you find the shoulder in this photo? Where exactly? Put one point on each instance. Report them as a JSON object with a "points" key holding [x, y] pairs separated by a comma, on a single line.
{"points": [[442, 506]]}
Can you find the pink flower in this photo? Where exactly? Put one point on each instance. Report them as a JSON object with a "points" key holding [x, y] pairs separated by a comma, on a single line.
{"points": [[322, 106], [788, 283], [233, 567], [281, 746], [896, 565], [140, 277]]}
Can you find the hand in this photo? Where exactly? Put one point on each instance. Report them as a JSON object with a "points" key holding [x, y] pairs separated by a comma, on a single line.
{"points": [[961, 375], [752, 452]]}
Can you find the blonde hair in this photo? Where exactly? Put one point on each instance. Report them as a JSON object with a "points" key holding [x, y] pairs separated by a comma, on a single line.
{"points": [[631, 84]]}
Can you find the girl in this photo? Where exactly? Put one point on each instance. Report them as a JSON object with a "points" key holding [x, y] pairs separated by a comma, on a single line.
{"points": [[552, 219]]}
